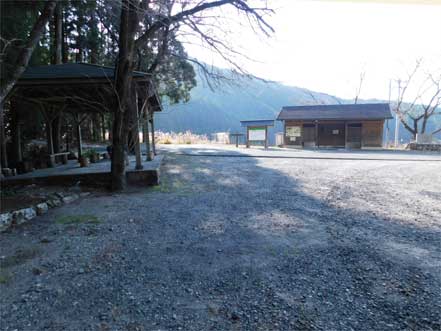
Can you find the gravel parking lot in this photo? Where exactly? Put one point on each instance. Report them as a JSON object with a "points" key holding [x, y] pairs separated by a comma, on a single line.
{"points": [[237, 243]]}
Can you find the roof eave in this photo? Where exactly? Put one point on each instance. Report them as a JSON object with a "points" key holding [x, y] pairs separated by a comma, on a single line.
{"points": [[335, 119]]}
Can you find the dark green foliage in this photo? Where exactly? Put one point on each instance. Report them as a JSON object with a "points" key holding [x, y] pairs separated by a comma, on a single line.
{"points": [[90, 34], [17, 20], [174, 76]]}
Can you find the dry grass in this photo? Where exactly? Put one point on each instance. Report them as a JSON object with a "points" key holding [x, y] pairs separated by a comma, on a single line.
{"points": [[180, 138]]}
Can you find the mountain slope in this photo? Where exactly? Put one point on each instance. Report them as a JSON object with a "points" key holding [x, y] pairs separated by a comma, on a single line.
{"points": [[221, 110]]}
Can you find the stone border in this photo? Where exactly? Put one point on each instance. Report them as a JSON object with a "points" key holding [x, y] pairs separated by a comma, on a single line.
{"points": [[20, 216], [425, 147]]}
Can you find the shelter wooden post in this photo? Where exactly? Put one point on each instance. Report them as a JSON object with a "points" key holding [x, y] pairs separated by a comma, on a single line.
{"points": [[16, 131], [135, 130], [16, 142], [103, 127], [50, 143], [153, 133], [56, 133], [49, 137], [68, 131], [346, 134], [316, 135], [79, 143], [147, 138], [266, 137], [78, 122], [248, 137]]}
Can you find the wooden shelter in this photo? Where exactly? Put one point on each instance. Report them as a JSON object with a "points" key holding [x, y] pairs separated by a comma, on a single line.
{"points": [[342, 125], [257, 131], [80, 89]]}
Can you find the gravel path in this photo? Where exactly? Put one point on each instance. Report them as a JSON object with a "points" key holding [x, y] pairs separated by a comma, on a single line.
{"points": [[236, 244]]}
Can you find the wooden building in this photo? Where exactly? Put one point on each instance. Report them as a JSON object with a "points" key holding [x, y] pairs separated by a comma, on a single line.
{"points": [[341, 126]]}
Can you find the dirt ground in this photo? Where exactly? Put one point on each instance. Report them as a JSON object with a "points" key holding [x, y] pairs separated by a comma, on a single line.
{"points": [[236, 243]]}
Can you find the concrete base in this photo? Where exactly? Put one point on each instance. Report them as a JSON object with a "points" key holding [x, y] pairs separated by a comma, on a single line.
{"points": [[96, 175]]}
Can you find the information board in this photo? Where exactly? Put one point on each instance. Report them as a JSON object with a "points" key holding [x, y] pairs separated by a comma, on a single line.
{"points": [[257, 134], [293, 131]]}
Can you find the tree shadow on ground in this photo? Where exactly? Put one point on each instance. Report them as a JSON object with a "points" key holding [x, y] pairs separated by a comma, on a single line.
{"points": [[343, 266], [237, 244]]}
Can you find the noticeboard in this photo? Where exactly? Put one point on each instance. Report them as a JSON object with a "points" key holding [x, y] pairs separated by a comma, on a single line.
{"points": [[257, 134], [293, 131]]}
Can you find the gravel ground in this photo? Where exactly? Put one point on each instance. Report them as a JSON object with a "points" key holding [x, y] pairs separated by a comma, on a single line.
{"points": [[236, 244]]}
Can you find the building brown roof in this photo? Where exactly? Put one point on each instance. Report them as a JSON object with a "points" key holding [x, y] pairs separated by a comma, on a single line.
{"points": [[366, 111]]}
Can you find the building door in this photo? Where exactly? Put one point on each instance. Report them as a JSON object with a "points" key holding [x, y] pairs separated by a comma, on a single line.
{"points": [[309, 135], [331, 134], [354, 135]]}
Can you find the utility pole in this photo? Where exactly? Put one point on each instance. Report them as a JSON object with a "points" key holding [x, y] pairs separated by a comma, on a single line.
{"points": [[397, 120], [387, 121]]}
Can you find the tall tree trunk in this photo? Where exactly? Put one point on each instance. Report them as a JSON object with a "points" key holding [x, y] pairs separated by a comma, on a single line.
{"points": [[123, 84], [58, 38], [93, 40], [79, 41], [57, 51], [26, 52], [64, 47], [415, 129], [424, 126], [4, 157]]}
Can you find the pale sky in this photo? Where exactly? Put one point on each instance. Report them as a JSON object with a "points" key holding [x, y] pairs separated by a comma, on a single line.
{"points": [[325, 45]]}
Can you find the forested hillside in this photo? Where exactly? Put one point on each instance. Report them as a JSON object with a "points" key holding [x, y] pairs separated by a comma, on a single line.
{"points": [[211, 111]]}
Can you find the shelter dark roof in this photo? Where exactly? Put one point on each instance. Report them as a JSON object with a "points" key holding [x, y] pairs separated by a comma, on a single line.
{"points": [[69, 79], [367, 111], [72, 71], [257, 123]]}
